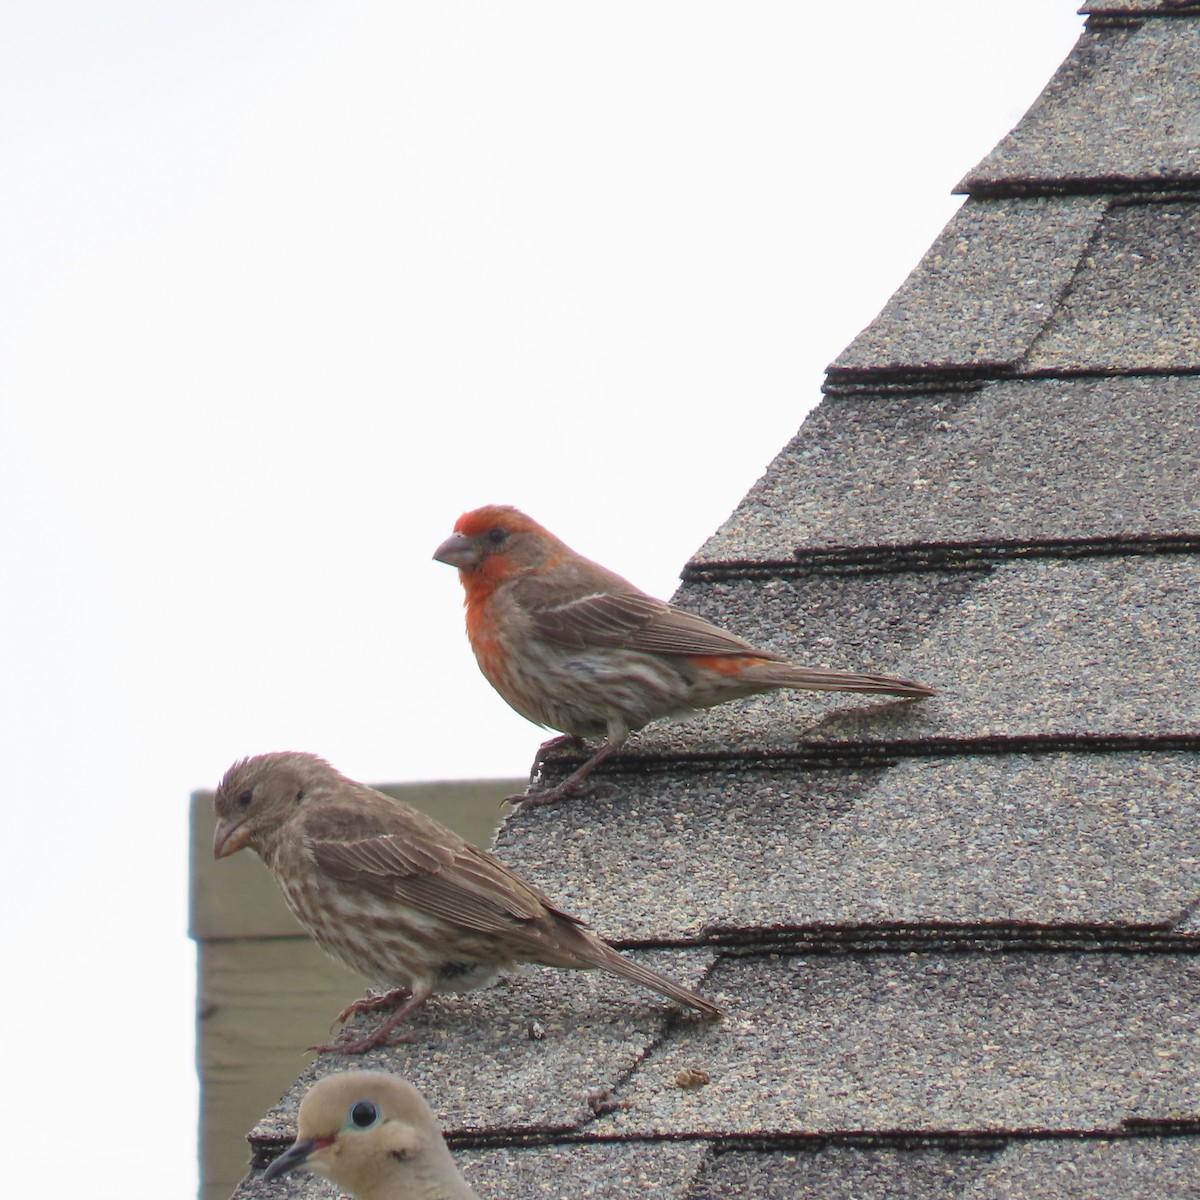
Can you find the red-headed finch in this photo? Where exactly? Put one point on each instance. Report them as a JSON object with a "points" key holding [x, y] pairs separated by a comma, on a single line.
{"points": [[397, 896], [574, 647], [374, 1136]]}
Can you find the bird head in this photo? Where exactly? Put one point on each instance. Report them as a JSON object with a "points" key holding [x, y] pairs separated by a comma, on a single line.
{"points": [[496, 543], [257, 795], [366, 1131]]}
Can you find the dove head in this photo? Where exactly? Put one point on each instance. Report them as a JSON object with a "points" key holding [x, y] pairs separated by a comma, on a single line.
{"points": [[373, 1135]]}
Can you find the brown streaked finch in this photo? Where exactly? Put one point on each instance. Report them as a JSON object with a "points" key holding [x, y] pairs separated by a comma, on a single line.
{"points": [[574, 647], [374, 1136], [397, 896]]}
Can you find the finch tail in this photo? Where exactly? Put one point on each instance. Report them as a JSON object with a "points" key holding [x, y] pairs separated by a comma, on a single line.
{"points": [[787, 675], [611, 960]]}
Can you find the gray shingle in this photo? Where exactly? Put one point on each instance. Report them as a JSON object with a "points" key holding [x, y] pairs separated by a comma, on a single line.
{"points": [[1139, 8], [1016, 461], [1122, 111], [982, 292], [599, 1171], [1037, 648], [841, 1173], [473, 1057], [1135, 301], [929, 1043], [1095, 1169], [1057, 839]]}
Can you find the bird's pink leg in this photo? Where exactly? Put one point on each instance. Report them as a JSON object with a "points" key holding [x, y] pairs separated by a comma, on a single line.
{"points": [[539, 765], [568, 785], [373, 1001], [381, 1035], [563, 739]]}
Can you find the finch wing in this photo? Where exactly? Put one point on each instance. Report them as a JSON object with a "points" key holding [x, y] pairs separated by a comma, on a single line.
{"points": [[626, 619], [427, 867]]}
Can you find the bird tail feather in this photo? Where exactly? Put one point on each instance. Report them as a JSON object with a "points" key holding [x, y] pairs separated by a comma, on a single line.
{"points": [[635, 972], [788, 675]]}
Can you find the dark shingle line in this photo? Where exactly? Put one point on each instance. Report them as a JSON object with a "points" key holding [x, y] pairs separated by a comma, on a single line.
{"points": [[721, 1142], [882, 753], [938, 556], [857, 383], [724, 1142], [1125, 188], [932, 381], [1105, 15], [932, 378], [872, 939], [1139, 372]]}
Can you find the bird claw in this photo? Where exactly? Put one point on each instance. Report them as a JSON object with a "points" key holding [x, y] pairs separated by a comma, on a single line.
{"points": [[570, 785], [373, 1001], [537, 799], [554, 743], [403, 1000], [376, 1040], [534, 799]]}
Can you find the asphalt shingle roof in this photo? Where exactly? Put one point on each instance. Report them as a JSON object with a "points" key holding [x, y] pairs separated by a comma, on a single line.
{"points": [[1120, 115], [1040, 461], [1136, 294], [982, 293], [1003, 844], [956, 939]]}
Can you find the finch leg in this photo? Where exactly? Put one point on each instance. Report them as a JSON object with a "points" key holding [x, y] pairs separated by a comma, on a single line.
{"points": [[373, 1001], [381, 1034], [564, 739], [568, 785], [539, 765]]}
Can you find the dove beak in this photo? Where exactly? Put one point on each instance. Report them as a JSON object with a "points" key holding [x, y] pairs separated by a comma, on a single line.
{"points": [[296, 1155]]}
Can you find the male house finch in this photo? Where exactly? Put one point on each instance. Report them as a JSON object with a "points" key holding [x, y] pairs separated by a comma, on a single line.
{"points": [[373, 1135], [397, 896], [574, 647]]}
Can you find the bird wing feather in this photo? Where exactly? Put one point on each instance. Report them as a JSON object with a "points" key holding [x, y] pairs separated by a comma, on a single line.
{"points": [[628, 619], [458, 883]]}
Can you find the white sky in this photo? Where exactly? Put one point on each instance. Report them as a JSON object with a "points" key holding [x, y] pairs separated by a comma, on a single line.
{"points": [[288, 286]]}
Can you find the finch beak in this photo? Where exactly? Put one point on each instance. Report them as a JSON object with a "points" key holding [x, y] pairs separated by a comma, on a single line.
{"points": [[457, 551], [296, 1155], [229, 839]]}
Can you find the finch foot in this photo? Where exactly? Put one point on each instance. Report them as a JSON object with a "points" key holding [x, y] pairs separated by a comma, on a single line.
{"points": [[569, 786], [554, 743], [344, 1044], [537, 799], [373, 1001], [407, 1002], [536, 770]]}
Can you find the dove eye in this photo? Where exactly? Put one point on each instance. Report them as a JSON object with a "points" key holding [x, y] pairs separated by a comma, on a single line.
{"points": [[364, 1114]]}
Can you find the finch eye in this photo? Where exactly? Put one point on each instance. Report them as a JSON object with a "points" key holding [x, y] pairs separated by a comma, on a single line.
{"points": [[364, 1114], [245, 797], [497, 535]]}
